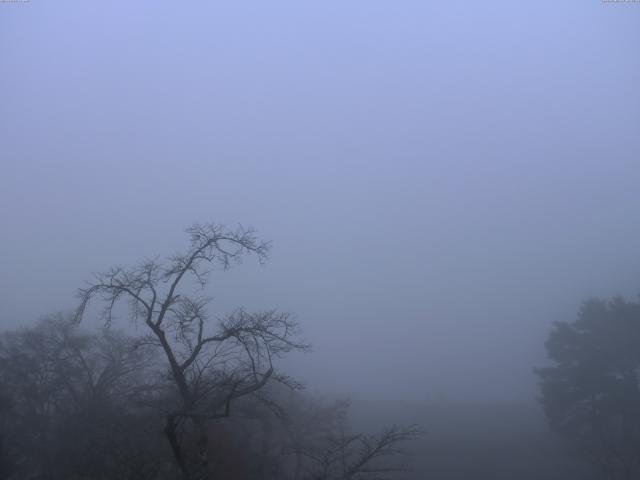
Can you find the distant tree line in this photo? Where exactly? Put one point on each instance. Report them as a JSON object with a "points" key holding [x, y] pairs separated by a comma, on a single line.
{"points": [[193, 398]]}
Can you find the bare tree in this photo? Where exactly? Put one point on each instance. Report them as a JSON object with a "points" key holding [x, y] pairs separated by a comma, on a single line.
{"points": [[324, 449], [67, 401], [211, 362], [360, 456], [289, 435]]}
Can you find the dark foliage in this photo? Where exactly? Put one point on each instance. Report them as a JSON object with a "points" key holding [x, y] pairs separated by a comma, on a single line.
{"points": [[591, 392]]}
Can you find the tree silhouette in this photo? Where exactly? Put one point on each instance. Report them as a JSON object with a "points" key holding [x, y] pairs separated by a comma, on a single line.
{"points": [[591, 392], [212, 362]]}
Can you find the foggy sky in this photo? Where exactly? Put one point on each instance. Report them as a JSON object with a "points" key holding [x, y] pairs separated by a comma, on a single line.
{"points": [[441, 180]]}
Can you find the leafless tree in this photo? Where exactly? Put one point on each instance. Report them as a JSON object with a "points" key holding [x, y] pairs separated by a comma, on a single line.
{"points": [[324, 449], [360, 456], [68, 397], [212, 362], [290, 435]]}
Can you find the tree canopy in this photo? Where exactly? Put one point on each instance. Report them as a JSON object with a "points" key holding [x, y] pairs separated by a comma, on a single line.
{"points": [[591, 392]]}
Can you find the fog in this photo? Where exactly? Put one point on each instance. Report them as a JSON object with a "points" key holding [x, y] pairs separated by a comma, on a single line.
{"points": [[440, 180]]}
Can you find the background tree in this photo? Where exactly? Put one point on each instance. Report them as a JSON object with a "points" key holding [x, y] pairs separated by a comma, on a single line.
{"points": [[71, 405], [591, 392], [325, 448], [211, 362], [282, 434], [90, 405]]}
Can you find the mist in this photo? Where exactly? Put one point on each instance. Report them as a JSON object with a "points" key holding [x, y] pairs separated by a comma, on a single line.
{"points": [[440, 181]]}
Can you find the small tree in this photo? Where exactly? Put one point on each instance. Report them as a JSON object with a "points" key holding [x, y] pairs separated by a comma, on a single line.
{"points": [[340, 454], [591, 392], [211, 363]]}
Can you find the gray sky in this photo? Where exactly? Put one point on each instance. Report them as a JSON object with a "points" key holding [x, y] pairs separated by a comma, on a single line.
{"points": [[441, 180]]}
